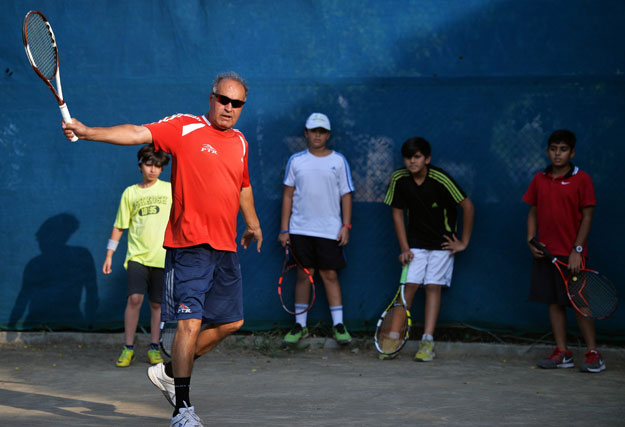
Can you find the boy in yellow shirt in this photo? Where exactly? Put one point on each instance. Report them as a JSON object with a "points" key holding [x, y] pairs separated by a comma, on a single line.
{"points": [[144, 211]]}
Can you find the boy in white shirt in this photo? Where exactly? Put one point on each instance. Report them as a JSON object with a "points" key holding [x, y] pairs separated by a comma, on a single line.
{"points": [[316, 221]]}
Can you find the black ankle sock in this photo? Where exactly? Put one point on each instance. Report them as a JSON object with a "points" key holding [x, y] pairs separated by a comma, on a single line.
{"points": [[169, 371], [182, 393], [154, 346]]}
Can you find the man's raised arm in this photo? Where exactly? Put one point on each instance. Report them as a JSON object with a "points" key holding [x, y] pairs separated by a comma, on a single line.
{"points": [[118, 135]]}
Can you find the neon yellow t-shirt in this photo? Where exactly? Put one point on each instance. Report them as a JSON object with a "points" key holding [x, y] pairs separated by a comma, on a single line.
{"points": [[145, 212]]}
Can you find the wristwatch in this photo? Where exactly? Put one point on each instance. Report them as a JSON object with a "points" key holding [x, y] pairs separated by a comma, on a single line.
{"points": [[579, 249]]}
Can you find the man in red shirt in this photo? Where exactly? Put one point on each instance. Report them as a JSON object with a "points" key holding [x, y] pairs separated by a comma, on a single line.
{"points": [[210, 184]]}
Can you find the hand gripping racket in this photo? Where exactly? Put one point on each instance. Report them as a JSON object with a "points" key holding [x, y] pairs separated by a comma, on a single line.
{"points": [[591, 293], [393, 328], [43, 55], [287, 282]]}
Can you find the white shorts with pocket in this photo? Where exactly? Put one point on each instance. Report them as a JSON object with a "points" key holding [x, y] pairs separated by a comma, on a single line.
{"points": [[430, 267]]}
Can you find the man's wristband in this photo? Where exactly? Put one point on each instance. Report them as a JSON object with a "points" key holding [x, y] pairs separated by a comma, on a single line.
{"points": [[112, 245], [348, 226], [284, 231]]}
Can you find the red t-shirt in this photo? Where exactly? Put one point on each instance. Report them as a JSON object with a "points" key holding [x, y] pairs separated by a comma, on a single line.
{"points": [[209, 168], [559, 203]]}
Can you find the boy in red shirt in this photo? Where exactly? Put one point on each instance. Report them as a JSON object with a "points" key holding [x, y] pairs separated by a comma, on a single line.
{"points": [[562, 202]]}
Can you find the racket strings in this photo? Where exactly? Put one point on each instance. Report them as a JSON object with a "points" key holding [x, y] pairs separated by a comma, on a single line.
{"points": [[593, 294], [393, 329], [41, 46]]}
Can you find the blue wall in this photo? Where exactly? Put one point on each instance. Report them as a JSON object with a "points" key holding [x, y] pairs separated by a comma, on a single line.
{"points": [[484, 81]]}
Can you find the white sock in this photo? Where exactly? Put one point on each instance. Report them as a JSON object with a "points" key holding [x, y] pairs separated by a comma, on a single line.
{"points": [[337, 314], [301, 318], [427, 337], [393, 335]]}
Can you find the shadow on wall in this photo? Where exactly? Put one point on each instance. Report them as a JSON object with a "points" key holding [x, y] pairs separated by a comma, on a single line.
{"points": [[53, 281]]}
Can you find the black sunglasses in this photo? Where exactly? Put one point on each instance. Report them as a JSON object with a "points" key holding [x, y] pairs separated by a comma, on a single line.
{"points": [[224, 100]]}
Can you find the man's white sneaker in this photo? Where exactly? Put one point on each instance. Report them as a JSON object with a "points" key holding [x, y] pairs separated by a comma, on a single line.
{"points": [[186, 418], [164, 383]]}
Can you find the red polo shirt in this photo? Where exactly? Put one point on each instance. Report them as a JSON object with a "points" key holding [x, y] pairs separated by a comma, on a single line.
{"points": [[559, 203], [209, 168]]}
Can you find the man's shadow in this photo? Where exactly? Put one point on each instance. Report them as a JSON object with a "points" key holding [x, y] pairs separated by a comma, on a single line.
{"points": [[53, 282]]}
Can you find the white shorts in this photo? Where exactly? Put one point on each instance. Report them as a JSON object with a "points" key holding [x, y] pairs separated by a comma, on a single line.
{"points": [[430, 267]]}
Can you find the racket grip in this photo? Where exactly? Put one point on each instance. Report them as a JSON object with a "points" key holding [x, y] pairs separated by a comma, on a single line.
{"points": [[67, 118]]}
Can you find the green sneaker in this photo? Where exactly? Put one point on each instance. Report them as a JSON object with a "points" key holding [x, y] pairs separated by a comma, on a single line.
{"points": [[341, 335], [426, 351], [295, 334], [154, 356], [125, 358]]}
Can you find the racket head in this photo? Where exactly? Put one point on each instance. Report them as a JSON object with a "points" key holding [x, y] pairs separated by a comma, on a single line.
{"points": [[592, 294], [166, 341], [288, 281], [393, 328], [40, 45]]}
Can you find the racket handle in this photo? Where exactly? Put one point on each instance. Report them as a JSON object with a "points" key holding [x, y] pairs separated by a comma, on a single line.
{"points": [[404, 274], [67, 118]]}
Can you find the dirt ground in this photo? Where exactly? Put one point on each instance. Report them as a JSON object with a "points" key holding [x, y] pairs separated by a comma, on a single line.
{"points": [[72, 381]]}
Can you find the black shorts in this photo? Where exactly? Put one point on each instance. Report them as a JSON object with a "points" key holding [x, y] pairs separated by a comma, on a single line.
{"points": [[142, 278], [547, 285], [317, 252]]}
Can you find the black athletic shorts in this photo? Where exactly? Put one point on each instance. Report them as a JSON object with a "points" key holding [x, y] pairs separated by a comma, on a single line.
{"points": [[142, 278], [317, 252], [547, 285]]}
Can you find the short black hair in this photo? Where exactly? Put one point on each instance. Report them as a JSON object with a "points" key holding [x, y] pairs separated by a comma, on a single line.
{"points": [[148, 156], [562, 135], [415, 145]]}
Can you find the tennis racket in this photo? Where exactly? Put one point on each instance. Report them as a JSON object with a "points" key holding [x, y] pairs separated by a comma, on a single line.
{"points": [[166, 341], [393, 328], [288, 280], [590, 292], [43, 55]]}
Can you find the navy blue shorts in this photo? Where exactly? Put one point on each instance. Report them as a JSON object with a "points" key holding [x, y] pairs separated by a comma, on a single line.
{"points": [[202, 283]]}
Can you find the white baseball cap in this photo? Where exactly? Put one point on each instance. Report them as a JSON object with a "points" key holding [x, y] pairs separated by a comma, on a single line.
{"points": [[318, 120]]}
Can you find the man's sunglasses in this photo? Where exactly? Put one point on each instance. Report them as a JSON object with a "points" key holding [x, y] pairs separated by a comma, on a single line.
{"points": [[224, 100]]}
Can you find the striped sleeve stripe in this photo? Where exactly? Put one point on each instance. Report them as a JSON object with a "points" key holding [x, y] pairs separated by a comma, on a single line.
{"points": [[456, 194], [348, 173], [288, 164], [390, 193]]}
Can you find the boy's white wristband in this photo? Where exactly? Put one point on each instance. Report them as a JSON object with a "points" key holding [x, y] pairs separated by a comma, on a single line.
{"points": [[112, 245]]}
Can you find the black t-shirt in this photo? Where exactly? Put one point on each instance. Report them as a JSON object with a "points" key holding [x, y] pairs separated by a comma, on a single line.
{"points": [[431, 206]]}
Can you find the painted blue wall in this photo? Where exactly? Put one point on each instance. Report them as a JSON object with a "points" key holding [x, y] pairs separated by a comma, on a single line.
{"points": [[484, 81]]}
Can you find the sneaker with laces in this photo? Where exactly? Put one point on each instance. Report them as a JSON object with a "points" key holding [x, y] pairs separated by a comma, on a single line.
{"points": [[186, 418], [558, 359], [594, 362], [154, 356], [295, 334], [340, 334], [163, 382], [125, 358], [425, 352]]}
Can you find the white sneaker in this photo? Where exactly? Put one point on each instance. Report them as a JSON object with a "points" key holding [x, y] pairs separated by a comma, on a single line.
{"points": [[186, 418], [163, 382]]}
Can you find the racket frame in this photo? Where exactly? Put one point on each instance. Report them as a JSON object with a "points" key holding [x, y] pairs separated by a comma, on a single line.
{"points": [[398, 300], [557, 263], [58, 93], [166, 339], [290, 262]]}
